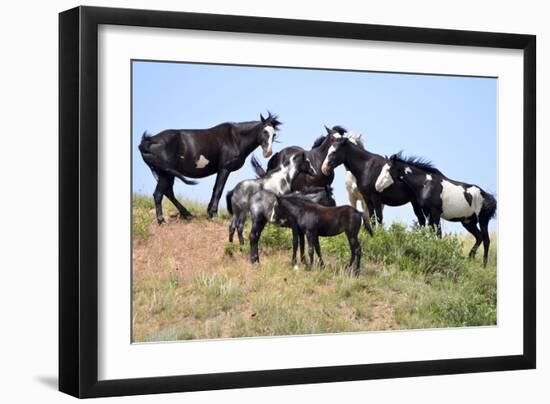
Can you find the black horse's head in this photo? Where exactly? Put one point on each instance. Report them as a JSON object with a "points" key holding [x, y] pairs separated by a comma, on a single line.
{"points": [[267, 133], [302, 164], [335, 155]]}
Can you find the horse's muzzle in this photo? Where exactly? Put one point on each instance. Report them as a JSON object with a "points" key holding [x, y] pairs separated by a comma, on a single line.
{"points": [[267, 153], [325, 170]]}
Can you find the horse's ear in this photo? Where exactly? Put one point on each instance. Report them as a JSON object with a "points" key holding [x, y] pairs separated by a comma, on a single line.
{"points": [[262, 118], [327, 129]]}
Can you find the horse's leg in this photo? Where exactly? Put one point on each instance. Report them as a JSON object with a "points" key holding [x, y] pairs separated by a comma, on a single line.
{"points": [[419, 214], [169, 193], [255, 233], [352, 199], [310, 246], [355, 248], [364, 206], [221, 179], [157, 196], [302, 246], [232, 227], [241, 219], [471, 226], [484, 226], [295, 238], [378, 210], [318, 251]]}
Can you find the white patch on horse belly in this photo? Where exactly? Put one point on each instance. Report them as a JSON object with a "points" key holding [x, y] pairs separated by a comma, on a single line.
{"points": [[201, 162], [454, 204]]}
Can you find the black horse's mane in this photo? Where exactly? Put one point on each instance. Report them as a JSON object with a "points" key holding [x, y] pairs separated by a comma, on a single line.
{"points": [[318, 141], [418, 162], [247, 125]]}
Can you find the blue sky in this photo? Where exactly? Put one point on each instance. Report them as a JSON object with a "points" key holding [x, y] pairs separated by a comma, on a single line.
{"points": [[449, 120]]}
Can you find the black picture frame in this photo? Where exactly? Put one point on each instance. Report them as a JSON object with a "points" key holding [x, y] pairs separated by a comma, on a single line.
{"points": [[78, 201]]}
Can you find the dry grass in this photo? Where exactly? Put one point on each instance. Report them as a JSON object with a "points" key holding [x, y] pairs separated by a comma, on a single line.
{"points": [[188, 284]]}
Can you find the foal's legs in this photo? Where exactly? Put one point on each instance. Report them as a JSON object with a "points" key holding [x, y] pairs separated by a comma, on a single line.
{"points": [[302, 247], [258, 225], [241, 219], [232, 227], [318, 251], [310, 245], [221, 179], [435, 222], [471, 226], [355, 248]]}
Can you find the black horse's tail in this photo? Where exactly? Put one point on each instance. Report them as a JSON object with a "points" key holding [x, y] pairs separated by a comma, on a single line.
{"points": [[157, 164], [366, 223], [260, 172], [489, 206], [228, 196]]}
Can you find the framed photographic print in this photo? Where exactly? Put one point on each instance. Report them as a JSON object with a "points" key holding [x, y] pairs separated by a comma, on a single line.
{"points": [[250, 201]]}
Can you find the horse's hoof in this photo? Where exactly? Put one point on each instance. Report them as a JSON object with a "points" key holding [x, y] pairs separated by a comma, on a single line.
{"points": [[212, 214], [187, 217], [161, 221]]}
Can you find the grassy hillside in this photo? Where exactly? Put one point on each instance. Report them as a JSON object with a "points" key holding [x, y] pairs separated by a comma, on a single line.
{"points": [[188, 282]]}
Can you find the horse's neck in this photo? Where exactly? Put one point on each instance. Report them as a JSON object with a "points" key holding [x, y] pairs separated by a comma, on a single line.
{"points": [[355, 158], [291, 208], [321, 150], [248, 139], [413, 181]]}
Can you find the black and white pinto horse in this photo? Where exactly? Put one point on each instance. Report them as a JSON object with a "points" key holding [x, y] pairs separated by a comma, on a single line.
{"points": [[366, 167], [316, 156], [315, 220], [441, 197], [265, 209], [199, 153], [354, 195], [278, 181]]}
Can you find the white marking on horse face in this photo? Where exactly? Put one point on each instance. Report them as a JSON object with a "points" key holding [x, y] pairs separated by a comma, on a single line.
{"points": [[408, 170], [428, 177], [454, 204], [201, 162], [336, 135], [324, 167], [270, 134], [384, 179]]}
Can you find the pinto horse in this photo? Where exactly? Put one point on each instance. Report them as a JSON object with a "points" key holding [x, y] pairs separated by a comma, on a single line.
{"points": [[315, 220], [277, 181], [199, 153], [316, 155], [441, 197], [365, 167]]}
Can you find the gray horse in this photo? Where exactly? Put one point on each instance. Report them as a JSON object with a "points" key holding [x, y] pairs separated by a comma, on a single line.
{"points": [[277, 181]]}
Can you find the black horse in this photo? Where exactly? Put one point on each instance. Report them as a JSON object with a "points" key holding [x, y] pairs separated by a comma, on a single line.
{"points": [[441, 197], [265, 209], [366, 167], [315, 220], [316, 155], [199, 153]]}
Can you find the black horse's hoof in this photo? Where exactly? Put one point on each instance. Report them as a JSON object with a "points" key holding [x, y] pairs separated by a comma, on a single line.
{"points": [[161, 221], [188, 216], [212, 214]]}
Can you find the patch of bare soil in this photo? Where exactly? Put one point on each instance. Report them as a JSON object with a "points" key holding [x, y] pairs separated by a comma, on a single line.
{"points": [[184, 246]]}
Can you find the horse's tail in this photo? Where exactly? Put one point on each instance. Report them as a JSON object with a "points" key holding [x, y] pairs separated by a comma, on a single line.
{"points": [[366, 223], [157, 164], [228, 196], [260, 172], [489, 206]]}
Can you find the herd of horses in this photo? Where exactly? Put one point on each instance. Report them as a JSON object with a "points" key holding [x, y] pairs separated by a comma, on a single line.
{"points": [[295, 191]]}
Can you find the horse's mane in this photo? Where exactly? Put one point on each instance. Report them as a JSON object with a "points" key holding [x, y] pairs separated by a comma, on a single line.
{"points": [[355, 138], [418, 162], [340, 129], [318, 142]]}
